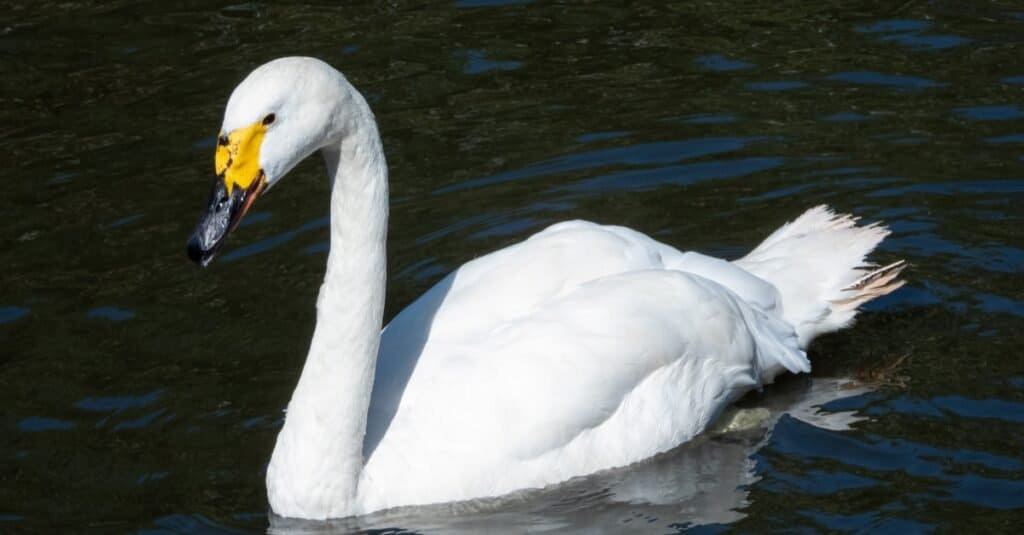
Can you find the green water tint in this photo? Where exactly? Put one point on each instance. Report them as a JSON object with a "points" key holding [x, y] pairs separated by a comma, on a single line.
{"points": [[143, 393]]}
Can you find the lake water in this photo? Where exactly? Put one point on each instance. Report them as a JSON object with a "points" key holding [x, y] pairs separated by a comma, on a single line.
{"points": [[142, 394]]}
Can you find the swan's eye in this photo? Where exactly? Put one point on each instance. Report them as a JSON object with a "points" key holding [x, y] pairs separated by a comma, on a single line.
{"points": [[269, 119]]}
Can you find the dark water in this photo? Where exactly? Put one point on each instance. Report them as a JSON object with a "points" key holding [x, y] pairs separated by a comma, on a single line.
{"points": [[141, 394]]}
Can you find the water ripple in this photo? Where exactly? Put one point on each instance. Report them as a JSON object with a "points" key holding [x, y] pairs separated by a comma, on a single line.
{"points": [[118, 403], [879, 79], [276, 240], [895, 25], [38, 423], [822, 482], [908, 32], [705, 118], [476, 62], [1005, 112], [776, 85], [142, 421], [718, 62], [110, 313], [982, 408], [1011, 138], [871, 522], [977, 187], [846, 117], [988, 492], [600, 136], [795, 438], [927, 42], [9, 314], [675, 174], [635, 155]]}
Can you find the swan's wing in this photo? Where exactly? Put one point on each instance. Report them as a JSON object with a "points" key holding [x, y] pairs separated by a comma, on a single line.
{"points": [[556, 344], [515, 282], [744, 284], [492, 290], [569, 366], [610, 373]]}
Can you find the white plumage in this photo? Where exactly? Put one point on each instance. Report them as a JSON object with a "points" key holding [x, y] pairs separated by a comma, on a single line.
{"points": [[582, 348]]}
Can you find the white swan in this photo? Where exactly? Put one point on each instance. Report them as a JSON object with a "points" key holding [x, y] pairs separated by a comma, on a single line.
{"points": [[582, 348]]}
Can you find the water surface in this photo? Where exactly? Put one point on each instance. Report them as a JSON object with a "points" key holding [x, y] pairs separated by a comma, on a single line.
{"points": [[143, 395]]}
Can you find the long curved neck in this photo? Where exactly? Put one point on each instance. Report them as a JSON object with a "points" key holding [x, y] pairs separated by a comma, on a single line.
{"points": [[317, 461]]}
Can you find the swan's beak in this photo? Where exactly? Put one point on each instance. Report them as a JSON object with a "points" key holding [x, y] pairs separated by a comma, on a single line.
{"points": [[240, 179], [221, 216]]}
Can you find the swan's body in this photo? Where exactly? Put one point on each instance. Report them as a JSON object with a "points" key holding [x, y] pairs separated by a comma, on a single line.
{"points": [[577, 350], [582, 348]]}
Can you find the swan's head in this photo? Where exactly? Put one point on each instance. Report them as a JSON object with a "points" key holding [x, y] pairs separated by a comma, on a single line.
{"points": [[281, 113]]}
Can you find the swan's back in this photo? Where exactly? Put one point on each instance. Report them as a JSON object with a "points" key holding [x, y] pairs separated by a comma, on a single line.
{"points": [[516, 281], [584, 347]]}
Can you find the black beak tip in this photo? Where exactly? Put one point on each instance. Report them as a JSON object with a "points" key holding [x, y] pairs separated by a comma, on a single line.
{"points": [[197, 254]]}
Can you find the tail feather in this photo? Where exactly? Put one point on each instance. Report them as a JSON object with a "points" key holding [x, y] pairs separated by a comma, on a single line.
{"points": [[877, 283], [818, 263]]}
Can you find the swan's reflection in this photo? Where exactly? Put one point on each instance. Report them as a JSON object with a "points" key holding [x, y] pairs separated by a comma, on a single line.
{"points": [[701, 482]]}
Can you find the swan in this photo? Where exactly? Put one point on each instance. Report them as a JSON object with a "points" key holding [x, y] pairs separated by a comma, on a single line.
{"points": [[582, 348]]}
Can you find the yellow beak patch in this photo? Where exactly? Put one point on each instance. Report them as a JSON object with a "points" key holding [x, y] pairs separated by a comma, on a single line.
{"points": [[237, 160]]}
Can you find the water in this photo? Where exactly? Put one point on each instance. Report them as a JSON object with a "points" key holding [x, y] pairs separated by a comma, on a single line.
{"points": [[143, 395]]}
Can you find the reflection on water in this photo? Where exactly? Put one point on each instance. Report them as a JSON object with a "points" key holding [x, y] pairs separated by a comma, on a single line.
{"points": [[145, 395]]}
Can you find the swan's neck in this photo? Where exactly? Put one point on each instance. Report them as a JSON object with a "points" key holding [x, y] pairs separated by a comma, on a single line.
{"points": [[316, 464]]}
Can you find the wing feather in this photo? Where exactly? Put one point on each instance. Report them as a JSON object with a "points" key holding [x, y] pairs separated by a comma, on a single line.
{"points": [[565, 345]]}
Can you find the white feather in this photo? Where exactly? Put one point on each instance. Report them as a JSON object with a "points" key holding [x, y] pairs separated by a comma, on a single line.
{"points": [[582, 348]]}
